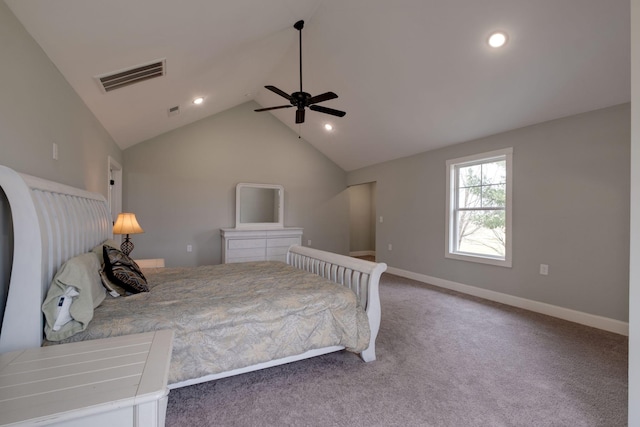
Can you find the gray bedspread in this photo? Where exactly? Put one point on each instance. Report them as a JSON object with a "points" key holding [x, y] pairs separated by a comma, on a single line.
{"points": [[234, 315]]}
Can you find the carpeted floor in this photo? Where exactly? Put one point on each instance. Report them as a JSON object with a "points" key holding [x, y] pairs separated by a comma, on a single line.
{"points": [[444, 359]]}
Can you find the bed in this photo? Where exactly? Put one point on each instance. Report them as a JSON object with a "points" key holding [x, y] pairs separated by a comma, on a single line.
{"points": [[53, 223]]}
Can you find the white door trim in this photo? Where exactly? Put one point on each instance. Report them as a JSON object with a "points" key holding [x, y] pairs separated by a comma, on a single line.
{"points": [[114, 191]]}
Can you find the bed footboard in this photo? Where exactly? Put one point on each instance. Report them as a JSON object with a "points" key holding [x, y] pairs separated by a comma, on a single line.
{"points": [[362, 277]]}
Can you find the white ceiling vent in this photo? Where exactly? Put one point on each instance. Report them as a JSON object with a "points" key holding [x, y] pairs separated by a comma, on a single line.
{"points": [[140, 73]]}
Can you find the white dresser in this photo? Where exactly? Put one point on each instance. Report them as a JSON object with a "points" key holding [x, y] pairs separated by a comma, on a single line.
{"points": [[118, 381], [270, 244]]}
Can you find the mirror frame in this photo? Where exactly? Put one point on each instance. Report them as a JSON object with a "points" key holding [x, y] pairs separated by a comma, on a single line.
{"points": [[245, 225]]}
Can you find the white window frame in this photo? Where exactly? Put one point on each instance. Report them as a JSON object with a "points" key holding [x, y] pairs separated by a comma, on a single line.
{"points": [[450, 252]]}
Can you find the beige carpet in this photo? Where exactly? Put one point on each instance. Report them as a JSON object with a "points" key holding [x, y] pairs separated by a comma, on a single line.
{"points": [[444, 359]]}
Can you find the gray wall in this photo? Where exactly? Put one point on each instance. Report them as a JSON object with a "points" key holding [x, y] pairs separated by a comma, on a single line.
{"points": [[362, 214], [181, 185], [38, 108], [570, 211]]}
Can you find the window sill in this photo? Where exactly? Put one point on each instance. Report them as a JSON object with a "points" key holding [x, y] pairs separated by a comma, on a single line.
{"points": [[480, 259]]}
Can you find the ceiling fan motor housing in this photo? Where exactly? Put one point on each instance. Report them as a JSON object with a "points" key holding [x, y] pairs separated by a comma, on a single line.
{"points": [[299, 99]]}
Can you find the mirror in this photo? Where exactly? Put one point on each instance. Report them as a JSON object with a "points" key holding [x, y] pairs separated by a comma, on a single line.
{"points": [[259, 206]]}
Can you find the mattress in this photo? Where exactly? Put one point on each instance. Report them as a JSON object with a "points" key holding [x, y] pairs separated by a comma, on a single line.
{"points": [[230, 316]]}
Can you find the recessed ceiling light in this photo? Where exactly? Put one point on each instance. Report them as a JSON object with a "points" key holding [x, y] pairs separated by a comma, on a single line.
{"points": [[328, 126], [497, 39], [199, 100]]}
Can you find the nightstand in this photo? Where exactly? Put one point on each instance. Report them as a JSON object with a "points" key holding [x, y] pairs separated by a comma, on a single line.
{"points": [[150, 263], [119, 381]]}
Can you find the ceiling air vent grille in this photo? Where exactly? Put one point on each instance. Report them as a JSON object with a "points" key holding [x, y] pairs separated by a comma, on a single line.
{"points": [[113, 81]]}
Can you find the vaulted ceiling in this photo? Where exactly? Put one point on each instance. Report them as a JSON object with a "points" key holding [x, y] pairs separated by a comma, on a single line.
{"points": [[412, 75]]}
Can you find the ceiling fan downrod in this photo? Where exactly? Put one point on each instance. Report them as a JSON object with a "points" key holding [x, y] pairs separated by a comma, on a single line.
{"points": [[299, 26]]}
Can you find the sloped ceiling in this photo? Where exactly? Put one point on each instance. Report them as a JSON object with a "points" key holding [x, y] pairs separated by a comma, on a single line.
{"points": [[412, 75]]}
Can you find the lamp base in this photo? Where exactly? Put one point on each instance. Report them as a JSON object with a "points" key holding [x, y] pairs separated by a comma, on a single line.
{"points": [[127, 246]]}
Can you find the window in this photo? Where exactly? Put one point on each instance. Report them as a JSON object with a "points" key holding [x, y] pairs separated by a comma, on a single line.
{"points": [[479, 208]]}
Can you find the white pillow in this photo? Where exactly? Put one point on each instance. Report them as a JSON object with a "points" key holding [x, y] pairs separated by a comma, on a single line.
{"points": [[64, 303], [82, 274]]}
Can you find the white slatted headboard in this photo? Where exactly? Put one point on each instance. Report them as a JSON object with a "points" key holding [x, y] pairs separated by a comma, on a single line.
{"points": [[51, 223]]}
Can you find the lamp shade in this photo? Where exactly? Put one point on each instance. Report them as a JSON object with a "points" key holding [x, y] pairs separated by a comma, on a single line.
{"points": [[126, 223]]}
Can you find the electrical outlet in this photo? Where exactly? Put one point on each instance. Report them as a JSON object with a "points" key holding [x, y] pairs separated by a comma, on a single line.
{"points": [[544, 269], [309, 242], [189, 248], [381, 219], [390, 247]]}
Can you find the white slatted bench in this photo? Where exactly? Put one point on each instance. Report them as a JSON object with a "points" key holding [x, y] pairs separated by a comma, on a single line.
{"points": [[109, 382]]}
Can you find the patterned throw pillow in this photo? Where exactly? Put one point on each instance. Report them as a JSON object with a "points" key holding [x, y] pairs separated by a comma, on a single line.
{"points": [[123, 271], [113, 289]]}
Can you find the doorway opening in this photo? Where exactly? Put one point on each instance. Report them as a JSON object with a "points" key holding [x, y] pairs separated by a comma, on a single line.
{"points": [[362, 221]]}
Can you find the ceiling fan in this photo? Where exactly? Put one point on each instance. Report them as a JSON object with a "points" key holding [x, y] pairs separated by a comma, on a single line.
{"points": [[301, 99]]}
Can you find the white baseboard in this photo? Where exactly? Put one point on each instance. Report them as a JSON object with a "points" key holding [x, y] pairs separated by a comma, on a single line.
{"points": [[362, 253], [587, 319]]}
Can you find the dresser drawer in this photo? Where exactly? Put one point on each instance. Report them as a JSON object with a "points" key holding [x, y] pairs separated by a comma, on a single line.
{"points": [[277, 252], [246, 253], [232, 259], [283, 242], [246, 244]]}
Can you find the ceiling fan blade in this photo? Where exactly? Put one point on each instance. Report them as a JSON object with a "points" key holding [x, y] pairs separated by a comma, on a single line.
{"points": [[279, 92], [323, 97], [326, 110], [273, 108], [299, 116]]}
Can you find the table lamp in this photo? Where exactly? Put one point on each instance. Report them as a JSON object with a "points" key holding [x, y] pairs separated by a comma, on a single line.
{"points": [[127, 224]]}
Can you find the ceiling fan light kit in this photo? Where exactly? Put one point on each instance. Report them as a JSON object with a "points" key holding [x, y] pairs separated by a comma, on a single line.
{"points": [[302, 99]]}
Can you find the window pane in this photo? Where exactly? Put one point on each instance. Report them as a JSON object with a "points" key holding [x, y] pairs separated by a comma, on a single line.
{"points": [[494, 196], [470, 197], [469, 175], [494, 172], [481, 232]]}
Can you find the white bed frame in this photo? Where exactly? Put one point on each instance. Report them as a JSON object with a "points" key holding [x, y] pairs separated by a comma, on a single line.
{"points": [[53, 222]]}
